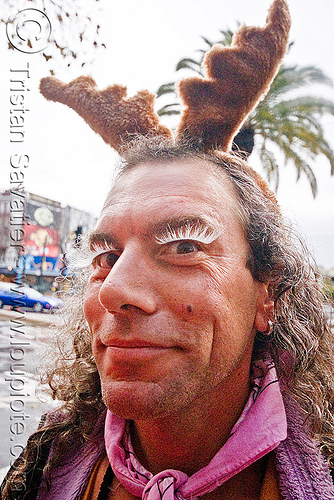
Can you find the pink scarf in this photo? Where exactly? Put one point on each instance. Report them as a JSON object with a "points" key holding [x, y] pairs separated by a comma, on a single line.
{"points": [[259, 430]]}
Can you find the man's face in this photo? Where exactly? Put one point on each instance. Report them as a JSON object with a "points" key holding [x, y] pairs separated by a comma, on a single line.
{"points": [[171, 305]]}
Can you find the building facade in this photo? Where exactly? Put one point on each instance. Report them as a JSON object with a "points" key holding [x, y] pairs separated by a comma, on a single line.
{"points": [[35, 233]]}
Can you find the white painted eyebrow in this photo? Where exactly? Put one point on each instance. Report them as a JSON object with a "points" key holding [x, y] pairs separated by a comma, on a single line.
{"points": [[196, 231], [80, 258], [97, 248]]}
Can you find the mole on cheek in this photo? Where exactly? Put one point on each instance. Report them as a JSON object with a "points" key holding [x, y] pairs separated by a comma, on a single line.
{"points": [[190, 308]]}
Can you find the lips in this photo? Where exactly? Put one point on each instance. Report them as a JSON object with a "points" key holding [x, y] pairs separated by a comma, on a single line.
{"points": [[134, 343], [135, 350], [134, 355]]}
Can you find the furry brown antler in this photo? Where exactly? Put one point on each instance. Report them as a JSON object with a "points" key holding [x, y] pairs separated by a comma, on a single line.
{"points": [[116, 118], [215, 106], [237, 78]]}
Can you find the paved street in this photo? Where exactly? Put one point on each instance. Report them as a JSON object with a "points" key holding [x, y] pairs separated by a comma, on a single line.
{"points": [[20, 354]]}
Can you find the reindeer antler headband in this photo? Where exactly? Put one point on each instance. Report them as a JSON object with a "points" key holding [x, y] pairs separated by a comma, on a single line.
{"points": [[215, 106]]}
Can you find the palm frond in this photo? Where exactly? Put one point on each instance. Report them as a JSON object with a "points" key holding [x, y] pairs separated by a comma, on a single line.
{"points": [[305, 105], [207, 41], [302, 166], [290, 78], [191, 64], [169, 109], [227, 37], [269, 164], [298, 121], [166, 88]]}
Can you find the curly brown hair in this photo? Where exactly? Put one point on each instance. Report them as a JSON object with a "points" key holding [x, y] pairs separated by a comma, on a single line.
{"points": [[301, 345]]}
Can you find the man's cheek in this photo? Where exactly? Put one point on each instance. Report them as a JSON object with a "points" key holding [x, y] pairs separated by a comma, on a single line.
{"points": [[92, 307], [88, 311]]}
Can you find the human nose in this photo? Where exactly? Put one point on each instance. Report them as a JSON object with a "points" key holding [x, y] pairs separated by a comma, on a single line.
{"points": [[129, 285]]}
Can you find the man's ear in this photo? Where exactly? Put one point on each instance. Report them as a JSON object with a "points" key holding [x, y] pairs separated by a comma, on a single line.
{"points": [[265, 311]]}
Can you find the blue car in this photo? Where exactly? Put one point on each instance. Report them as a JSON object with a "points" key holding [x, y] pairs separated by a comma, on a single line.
{"points": [[22, 296]]}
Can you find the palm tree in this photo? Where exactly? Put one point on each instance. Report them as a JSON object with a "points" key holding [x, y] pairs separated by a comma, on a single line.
{"points": [[284, 121]]}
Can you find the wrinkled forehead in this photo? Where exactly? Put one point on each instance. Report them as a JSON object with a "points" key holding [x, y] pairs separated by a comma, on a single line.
{"points": [[191, 178]]}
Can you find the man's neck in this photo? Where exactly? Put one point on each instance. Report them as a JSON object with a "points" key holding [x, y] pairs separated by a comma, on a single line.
{"points": [[188, 442]]}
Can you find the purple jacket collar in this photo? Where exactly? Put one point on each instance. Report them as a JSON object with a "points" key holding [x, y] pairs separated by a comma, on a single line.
{"points": [[303, 473]]}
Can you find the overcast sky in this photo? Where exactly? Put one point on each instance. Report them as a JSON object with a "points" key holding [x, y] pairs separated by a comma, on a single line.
{"points": [[145, 39]]}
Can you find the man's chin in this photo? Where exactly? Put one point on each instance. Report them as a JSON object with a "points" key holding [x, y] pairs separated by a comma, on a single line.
{"points": [[134, 400]]}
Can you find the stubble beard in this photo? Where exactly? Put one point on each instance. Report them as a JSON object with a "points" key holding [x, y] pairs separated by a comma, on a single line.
{"points": [[138, 400]]}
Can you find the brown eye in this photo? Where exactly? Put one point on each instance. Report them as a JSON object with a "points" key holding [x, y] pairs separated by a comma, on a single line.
{"points": [[106, 260], [185, 247]]}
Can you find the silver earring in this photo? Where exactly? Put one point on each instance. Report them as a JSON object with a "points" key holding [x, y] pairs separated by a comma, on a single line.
{"points": [[269, 330], [266, 336]]}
